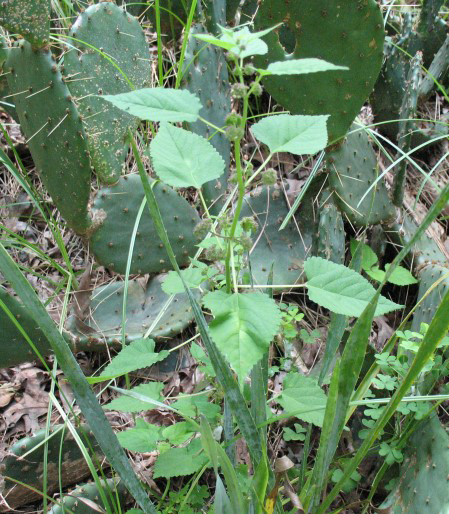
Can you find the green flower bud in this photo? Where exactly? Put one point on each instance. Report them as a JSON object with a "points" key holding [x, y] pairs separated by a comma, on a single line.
{"points": [[233, 120], [214, 253], [238, 91], [234, 134], [246, 242], [249, 224], [256, 89], [269, 177], [248, 70], [201, 230]]}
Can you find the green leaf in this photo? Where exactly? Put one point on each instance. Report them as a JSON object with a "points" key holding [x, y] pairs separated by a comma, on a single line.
{"points": [[243, 328], [303, 398], [158, 104], [299, 434], [143, 438], [298, 134], [340, 289], [137, 355], [300, 67], [193, 406], [178, 433], [375, 273], [369, 258], [200, 355], [128, 404], [180, 461], [401, 276], [183, 159], [172, 283], [207, 38]]}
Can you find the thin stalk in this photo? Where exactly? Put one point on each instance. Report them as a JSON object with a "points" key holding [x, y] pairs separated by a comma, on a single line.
{"points": [[159, 43]]}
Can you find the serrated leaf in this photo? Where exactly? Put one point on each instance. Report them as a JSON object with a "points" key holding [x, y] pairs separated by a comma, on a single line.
{"points": [[375, 273], [172, 283], [142, 438], [304, 398], [180, 461], [300, 67], [158, 104], [178, 433], [137, 355], [193, 406], [401, 276], [184, 159], [340, 289], [243, 328], [128, 404], [369, 257], [297, 134]]}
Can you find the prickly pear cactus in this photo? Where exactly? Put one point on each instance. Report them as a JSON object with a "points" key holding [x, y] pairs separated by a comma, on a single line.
{"points": [[422, 485], [53, 130], [427, 277], [347, 33], [86, 499], [28, 19], [111, 56], [283, 250], [352, 169], [115, 209], [425, 251], [206, 75], [14, 348], [331, 232], [24, 462], [144, 303]]}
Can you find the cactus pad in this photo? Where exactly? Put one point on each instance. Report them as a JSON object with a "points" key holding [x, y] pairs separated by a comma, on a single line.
{"points": [[207, 77], [346, 33], [112, 487], [352, 169], [423, 480], [331, 233], [14, 347], [117, 206], [29, 469], [120, 63], [427, 277], [53, 129], [285, 250], [144, 302], [30, 19]]}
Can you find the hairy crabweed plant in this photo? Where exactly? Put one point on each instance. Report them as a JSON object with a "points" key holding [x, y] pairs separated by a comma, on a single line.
{"points": [[394, 394]]}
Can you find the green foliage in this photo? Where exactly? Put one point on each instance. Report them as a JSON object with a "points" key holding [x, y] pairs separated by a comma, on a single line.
{"points": [[341, 289], [177, 165], [29, 19], [53, 129], [330, 236], [294, 134], [143, 438], [109, 55], [137, 355], [303, 398], [243, 327], [116, 208], [400, 275], [151, 391], [158, 104], [177, 462], [346, 34]]}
